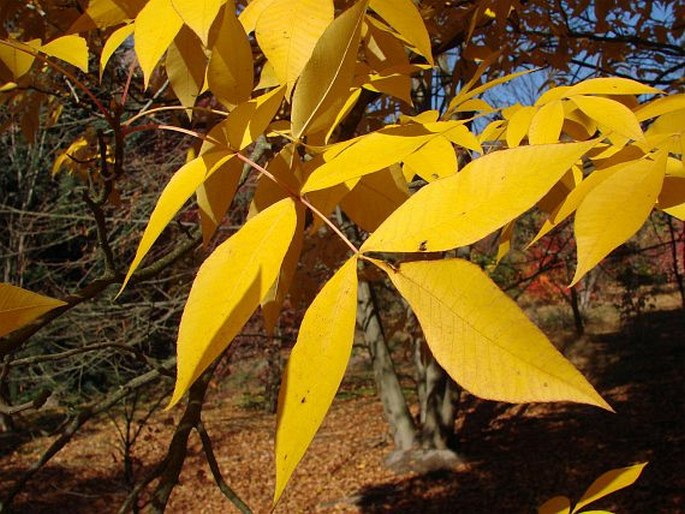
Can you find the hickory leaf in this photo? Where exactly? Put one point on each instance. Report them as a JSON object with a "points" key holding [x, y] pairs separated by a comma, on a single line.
{"points": [[179, 189], [608, 483], [556, 505], [185, 67], [114, 41], [19, 307], [215, 195], [615, 210], [230, 71], [404, 17], [198, 15], [483, 339], [611, 114], [72, 49], [326, 78], [288, 46], [228, 288], [155, 28], [315, 369], [488, 193]]}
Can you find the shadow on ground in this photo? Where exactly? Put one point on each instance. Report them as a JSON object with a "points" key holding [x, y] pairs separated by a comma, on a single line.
{"points": [[520, 456]]}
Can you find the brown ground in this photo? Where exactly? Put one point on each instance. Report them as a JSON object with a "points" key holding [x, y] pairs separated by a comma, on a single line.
{"points": [[517, 456]]}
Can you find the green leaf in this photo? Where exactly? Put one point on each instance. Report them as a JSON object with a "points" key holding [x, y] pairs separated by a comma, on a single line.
{"points": [[616, 209], [19, 307], [483, 339], [315, 369], [610, 482], [487, 194], [326, 78], [228, 288]]}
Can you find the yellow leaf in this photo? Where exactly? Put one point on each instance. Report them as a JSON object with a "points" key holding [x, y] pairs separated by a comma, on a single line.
{"points": [[326, 78], [382, 48], [375, 197], [106, 13], [467, 93], [249, 16], [72, 49], [660, 106], [198, 15], [610, 114], [315, 369], [504, 243], [545, 127], [436, 159], [230, 73], [155, 28], [248, 120], [17, 56], [610, 482], [185, 67], [214, 196], [392, 81], [288, 46], [113, 42], [273, 301], [228, 288], [488, 193], [518, 125], [179, 189], [19, 307], [615, 210], [672, 196], [459, 135], [611, 86], [404, 17], [483, 339], [556, 505]]}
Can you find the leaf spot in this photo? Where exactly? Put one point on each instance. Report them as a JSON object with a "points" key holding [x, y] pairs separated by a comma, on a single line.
{"points": [[423, 246]]}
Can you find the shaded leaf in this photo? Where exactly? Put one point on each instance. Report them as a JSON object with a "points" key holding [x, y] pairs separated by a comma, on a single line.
{"points": [[326, 79], [610, 482], [488, 193], [315, 369], [610, 114], [228, 288], [185, 67], [556, 505], [483, 339], [215, 195], [17, 56], [19, 307], [230, 72]]}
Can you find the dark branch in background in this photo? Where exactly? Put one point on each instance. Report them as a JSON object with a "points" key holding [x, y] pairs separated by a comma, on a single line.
{"points": [[77, 422]]}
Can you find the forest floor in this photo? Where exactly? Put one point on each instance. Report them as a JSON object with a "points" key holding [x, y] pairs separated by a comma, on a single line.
{"points": [[515, 456]]}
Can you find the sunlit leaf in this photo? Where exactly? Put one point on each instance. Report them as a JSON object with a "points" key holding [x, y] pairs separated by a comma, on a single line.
{"points": [[615, 210], [288, 46], [315, 369], [71, 48], [230, 72], [198, 15], [325, 80], [488, 193], [545, 126], [435, 159], [404, 17], [610, 482], [114, 41], [179, 189], [17, 56], [252, 12], [611, 86], [660, 106], [228, 288], [611, 114], [155, 28], [483, 339], [19, 307], [518, 125]]}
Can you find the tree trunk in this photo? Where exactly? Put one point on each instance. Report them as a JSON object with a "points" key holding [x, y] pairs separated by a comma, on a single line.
{"points": [[394, 404]]}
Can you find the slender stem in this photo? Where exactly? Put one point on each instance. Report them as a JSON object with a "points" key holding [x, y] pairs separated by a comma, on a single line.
{"points": [[65, 72], [171, 128], [172, 108], [124, 95], [299, 197]]}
